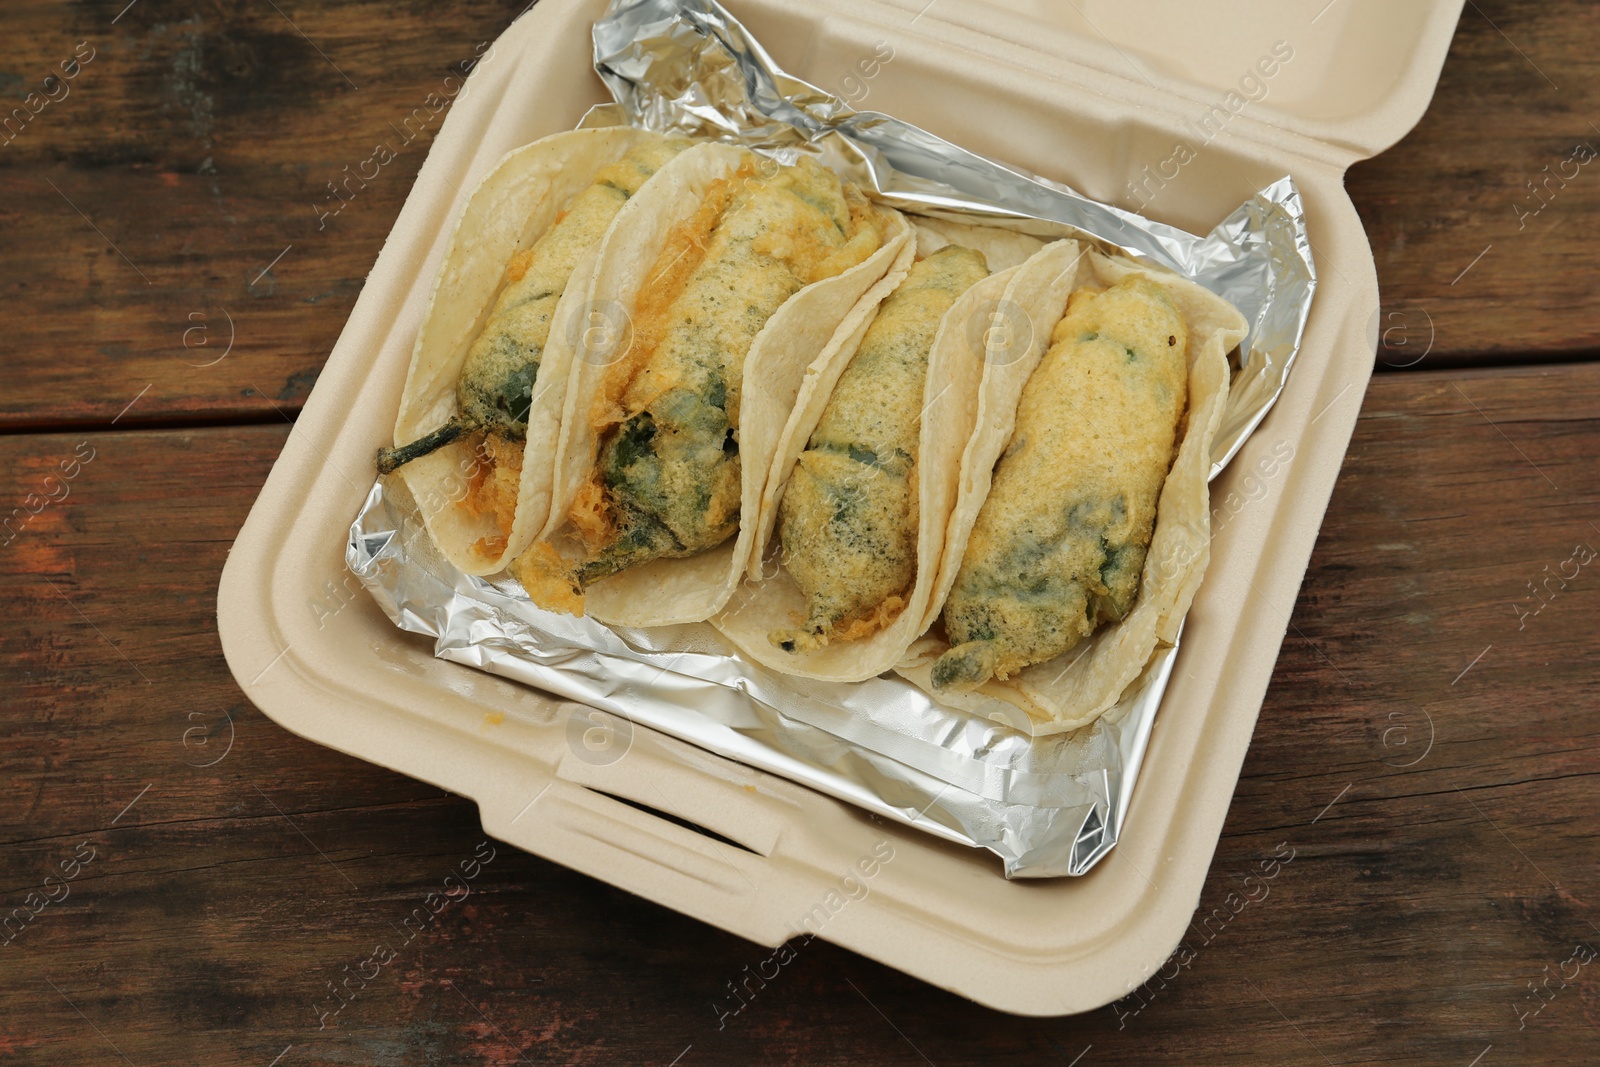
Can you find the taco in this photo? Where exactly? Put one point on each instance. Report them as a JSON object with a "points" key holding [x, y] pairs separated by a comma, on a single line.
{"points": [[865, 480], [730, 273], [1083, 527], [476, 430]]}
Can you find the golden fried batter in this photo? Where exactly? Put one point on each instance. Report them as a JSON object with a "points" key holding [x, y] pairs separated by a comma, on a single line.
{"points": [[497, 378], [495, 388], [667, 483], [1060, 541], [848, 520]]}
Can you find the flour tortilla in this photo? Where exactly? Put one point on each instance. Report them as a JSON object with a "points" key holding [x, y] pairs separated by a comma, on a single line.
{"points": [[1076, 688], [666, 592], [1002, 249], [508, 212], [956, 363]]}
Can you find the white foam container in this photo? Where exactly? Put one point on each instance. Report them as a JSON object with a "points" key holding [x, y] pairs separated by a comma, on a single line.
{"points": [[1087, 94]]}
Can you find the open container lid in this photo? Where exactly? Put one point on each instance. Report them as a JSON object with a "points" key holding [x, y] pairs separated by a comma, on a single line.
{"points": [[1361, 76]]}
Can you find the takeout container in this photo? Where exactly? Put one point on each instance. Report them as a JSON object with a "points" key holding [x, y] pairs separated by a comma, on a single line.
{"points": [[1090, 95]]}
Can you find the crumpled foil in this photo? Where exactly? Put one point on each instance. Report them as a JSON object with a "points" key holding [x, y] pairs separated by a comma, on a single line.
{"points": [[1047, 806]]}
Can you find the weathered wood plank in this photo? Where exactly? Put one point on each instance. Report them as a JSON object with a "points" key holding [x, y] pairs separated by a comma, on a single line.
{"points": [[1501, 167], [179, 195], [1429, 882]]}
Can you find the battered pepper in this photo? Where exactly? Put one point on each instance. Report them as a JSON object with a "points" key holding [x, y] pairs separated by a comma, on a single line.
{"points": [[495, 388], [848, 518], [667, 483], [1059, 544]]}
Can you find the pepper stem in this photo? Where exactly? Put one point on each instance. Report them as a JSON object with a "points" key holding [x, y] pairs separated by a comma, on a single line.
{"points": [[391, 459]]}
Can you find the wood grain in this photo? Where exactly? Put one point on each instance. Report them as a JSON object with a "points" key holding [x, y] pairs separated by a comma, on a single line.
{"points": [[1519, 94], [1430, 765], [174, 198]]}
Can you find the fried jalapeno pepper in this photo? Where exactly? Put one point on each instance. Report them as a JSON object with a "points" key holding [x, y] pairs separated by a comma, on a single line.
{"points": [[495, 389], [1059, 544], [667, 483], [848, 518]]}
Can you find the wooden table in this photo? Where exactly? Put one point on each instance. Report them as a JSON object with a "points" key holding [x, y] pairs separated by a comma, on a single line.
{"points": [[1427, 749]]}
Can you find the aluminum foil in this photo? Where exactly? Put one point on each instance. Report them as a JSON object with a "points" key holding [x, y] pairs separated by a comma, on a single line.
{"points": [[1047, 806]]}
